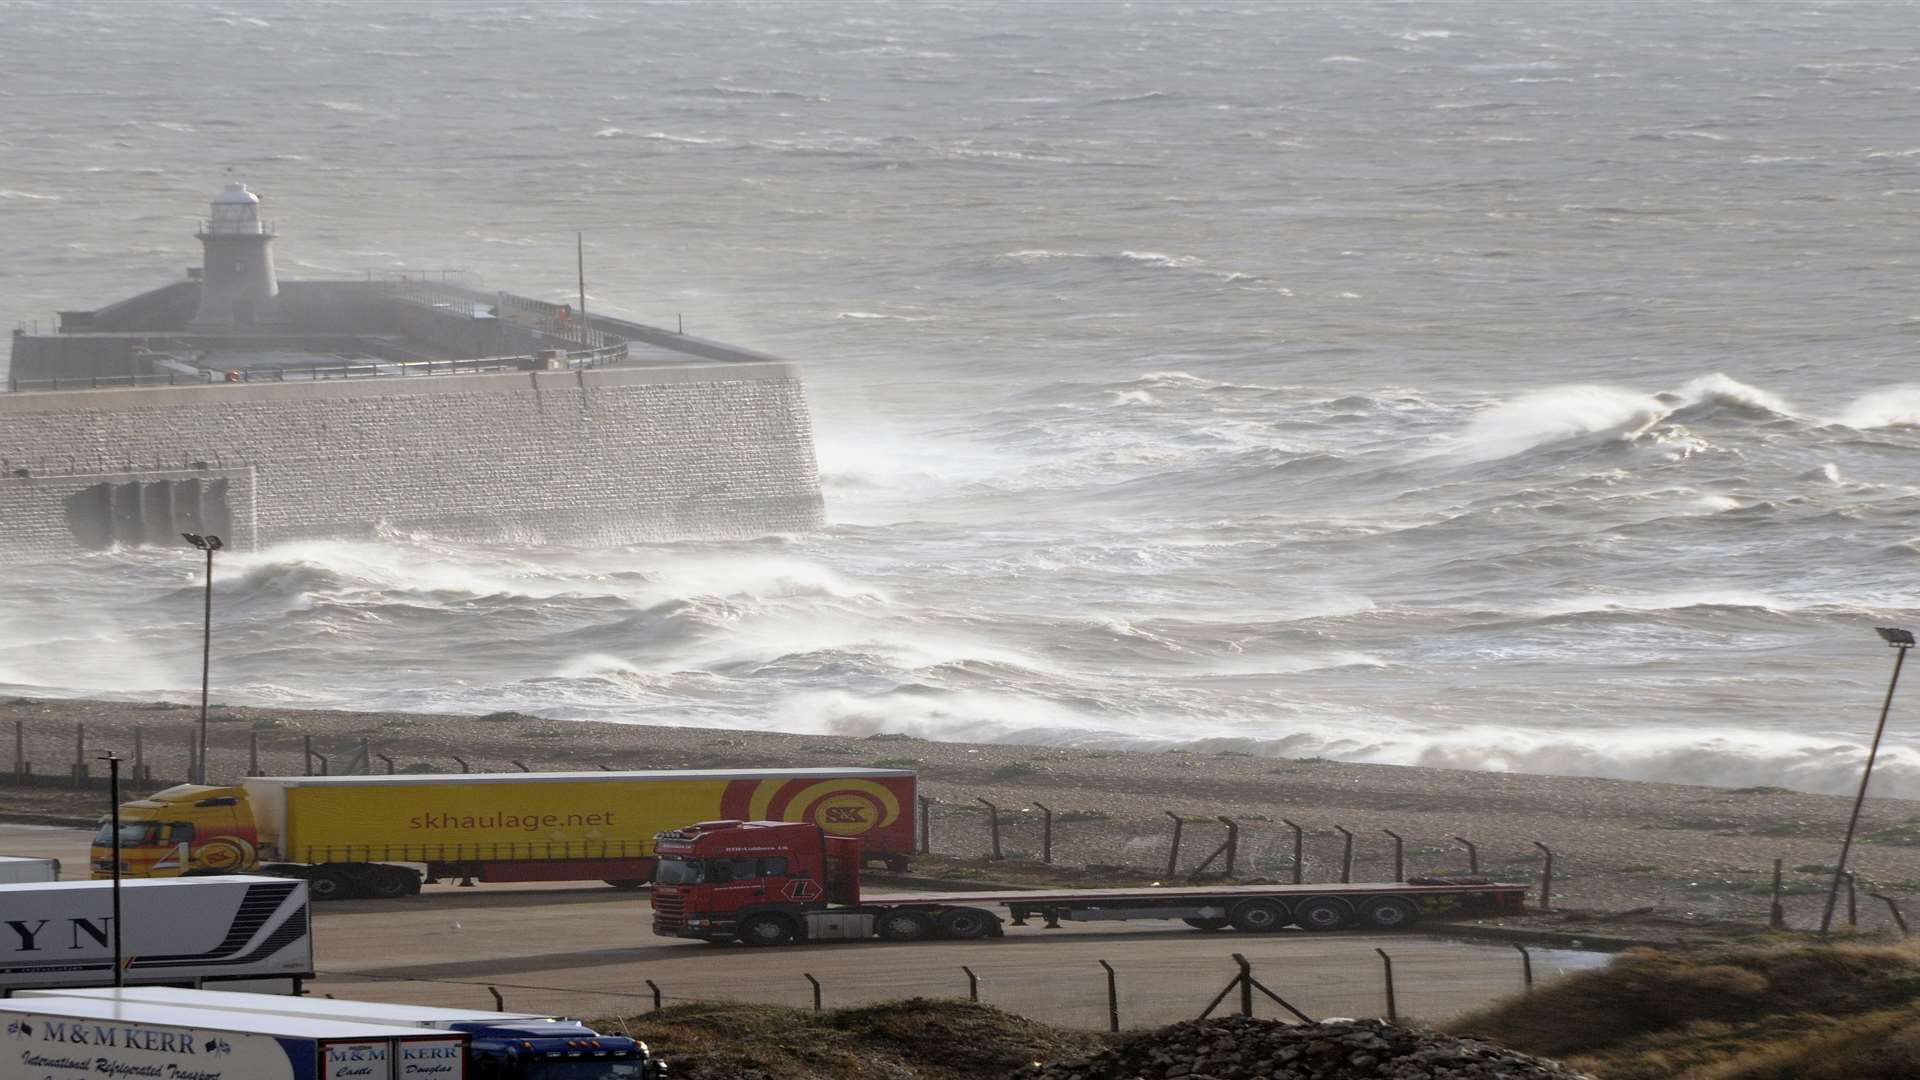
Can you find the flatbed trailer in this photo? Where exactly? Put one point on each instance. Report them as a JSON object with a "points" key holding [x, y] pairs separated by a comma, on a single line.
{"points": [[772, 883], [1199, 905]]}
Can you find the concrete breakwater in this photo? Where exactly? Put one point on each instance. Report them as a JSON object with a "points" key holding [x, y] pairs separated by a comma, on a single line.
{"points": [[263, 411], [592, 457]]}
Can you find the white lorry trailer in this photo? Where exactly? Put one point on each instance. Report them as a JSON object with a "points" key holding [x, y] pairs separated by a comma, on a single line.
{"points": [[50, 1037], [502, 1046], [176, 930], [21, 869]]}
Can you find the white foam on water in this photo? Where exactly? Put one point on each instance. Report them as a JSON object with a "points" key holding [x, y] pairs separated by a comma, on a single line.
{"points": [[1895, 406], [1549, 416]]}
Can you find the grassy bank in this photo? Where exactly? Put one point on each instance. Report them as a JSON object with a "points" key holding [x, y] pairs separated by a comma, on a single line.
{"points": [[1774, 1012]]}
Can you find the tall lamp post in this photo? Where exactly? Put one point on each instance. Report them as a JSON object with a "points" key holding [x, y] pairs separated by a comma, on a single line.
{"points": [[113, 788], [208, 544], [1900, 641]]}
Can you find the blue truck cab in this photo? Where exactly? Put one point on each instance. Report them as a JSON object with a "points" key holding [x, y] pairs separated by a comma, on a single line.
{"points": [[553, 1050]]}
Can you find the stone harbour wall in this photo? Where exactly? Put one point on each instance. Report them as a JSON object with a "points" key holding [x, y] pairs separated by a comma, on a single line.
{"points": [[590, 457]]}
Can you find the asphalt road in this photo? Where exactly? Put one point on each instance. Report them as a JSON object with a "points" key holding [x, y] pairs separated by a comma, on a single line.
{"points": [[589, 951]]}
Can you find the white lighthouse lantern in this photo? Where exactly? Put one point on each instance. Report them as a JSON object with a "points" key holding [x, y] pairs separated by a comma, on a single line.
{"points": [[236, 212]]}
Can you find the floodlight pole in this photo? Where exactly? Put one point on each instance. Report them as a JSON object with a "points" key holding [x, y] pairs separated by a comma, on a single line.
{"points": [[113, 789], [1900, 641], [208, 544]]}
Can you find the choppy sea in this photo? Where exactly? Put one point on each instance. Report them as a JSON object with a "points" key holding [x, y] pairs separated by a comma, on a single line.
{"points": [[1483, 385]]}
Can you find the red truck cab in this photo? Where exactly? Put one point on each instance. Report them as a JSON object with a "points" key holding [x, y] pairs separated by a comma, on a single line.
{"points": [[764, 875]]}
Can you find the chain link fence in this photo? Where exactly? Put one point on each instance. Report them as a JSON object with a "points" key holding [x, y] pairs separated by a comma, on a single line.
{"points": [[1064, 985]]}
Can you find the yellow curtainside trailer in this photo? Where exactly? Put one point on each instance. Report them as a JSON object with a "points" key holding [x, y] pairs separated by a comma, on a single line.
{"points": [[351, 835]]}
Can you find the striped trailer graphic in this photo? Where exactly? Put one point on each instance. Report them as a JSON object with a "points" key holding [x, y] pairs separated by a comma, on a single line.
{"points": [[879, 810]]}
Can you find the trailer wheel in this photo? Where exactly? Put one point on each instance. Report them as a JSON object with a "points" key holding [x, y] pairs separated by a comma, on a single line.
{"points": [[390, 882], [1388, 913], [1323, 913], [965, 924], [1259, 916], [1206, 924], [905, 926], [766, 930], [327, 883]]}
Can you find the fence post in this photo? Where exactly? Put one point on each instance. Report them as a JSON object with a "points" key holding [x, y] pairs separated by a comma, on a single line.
{"points": [[307, 741], [499, 1003], [655, 987], [139, 753], [816, 991], [366, 754], [386, 759], [993, 818], [20, 766], [1173, 856], [1399, 855], [521, 765], [253, 753], [1247, 984], [1113, 999], [464, 767], [1526, 965], [1233, 841], [1546, 878], [1777, 913], [973, 983], [1393, 1011], [1046, 832], [79, 755], [1298, 849], [1346, 855], [1893, 909], [926, 832], [1473, 854]]}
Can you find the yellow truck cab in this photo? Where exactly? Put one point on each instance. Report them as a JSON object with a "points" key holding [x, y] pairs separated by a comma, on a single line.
{"points": [[186, 828]]}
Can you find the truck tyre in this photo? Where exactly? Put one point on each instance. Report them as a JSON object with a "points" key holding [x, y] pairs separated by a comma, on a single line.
{"points": [[1206, 924], [766, 930], [391, 882], [904, 926], [330, 883], [1259, 916], [965, 924], [1323, 913], [1388, 913]]}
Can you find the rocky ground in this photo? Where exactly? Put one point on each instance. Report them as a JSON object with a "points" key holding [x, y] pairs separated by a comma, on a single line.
{"points": [[1234, 1048], [1652, 861]]}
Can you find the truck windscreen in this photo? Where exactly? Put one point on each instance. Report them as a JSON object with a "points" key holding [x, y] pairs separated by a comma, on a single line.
{"points": [[679, 872], [132, 834]]}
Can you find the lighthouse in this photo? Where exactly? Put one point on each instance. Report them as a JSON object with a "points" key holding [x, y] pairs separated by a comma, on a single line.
{"points": [[238, 288]]}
